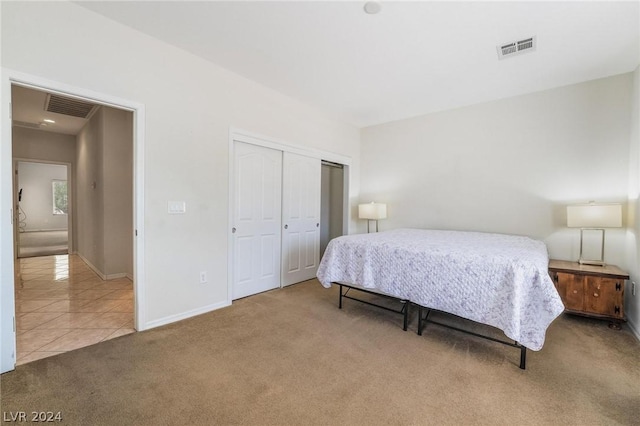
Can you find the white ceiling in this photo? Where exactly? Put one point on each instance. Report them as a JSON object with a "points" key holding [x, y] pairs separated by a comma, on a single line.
{"points": [[410, 59]]}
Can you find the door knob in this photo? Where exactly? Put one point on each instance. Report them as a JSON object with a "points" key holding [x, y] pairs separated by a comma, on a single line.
{"points": [[233, 230], [286, 227], [317, 225]]}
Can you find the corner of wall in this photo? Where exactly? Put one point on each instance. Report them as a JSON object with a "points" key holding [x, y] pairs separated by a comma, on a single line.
{"points": [[632, 302]]}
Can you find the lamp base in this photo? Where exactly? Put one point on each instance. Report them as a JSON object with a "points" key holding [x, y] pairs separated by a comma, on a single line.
{"points": [[592, 262]]}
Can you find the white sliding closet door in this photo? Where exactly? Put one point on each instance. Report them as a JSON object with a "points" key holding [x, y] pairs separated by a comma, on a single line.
{"points": [[300, 217], [257, 219]]}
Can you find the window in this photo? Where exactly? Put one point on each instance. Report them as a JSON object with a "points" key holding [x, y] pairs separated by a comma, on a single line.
{"points": [[60, 204]]}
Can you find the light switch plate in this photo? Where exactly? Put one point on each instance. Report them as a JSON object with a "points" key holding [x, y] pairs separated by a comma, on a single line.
{"points": [[177, 207]]}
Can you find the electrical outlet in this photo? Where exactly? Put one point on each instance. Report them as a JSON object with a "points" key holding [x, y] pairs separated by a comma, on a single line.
{"points": [[203, 277]]}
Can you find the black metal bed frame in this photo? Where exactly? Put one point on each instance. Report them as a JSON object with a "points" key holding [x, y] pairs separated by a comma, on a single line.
{"points": [[404, 311], [405, 303], [422, 322]]}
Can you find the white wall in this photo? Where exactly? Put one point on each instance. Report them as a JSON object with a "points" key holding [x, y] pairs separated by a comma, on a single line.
{"points": [[33, 144], [36, 180], [89, 195], [117, 178], [507, 166], [632, 263], [105, 192], [190, 105]]}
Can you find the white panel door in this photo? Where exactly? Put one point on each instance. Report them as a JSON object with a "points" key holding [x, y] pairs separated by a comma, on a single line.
{"points": [[256, 219], [301, 178]]}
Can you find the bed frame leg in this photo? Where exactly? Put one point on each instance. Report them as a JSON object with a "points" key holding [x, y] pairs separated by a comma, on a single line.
{"points": [[523, 357], [340, 299], [406, 314], [422, 320]]}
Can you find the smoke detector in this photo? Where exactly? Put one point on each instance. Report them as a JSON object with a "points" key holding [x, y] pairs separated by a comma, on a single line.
{"points": [[515, 48], [372, 7]]}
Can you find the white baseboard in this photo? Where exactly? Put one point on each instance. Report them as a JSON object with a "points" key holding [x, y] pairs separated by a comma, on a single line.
{"points": [[114, 276], [634, 329], [174, 318], [43, 230], [91, 265], [100, 274]]}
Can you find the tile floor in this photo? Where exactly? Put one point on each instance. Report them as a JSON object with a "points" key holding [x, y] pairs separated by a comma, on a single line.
{"points": [[61, 305]]}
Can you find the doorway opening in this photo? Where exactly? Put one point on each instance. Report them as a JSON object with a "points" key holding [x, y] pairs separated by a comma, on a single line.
{"points": [[332, 210], [73, 222], [43, 208]]}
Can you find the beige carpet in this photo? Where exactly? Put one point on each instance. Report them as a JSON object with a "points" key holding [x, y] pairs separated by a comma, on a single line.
{"points": [[292, 357]]}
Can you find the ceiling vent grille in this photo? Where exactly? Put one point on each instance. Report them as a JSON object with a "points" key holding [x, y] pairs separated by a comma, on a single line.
{"points": [[68, 106], [515, 48]]}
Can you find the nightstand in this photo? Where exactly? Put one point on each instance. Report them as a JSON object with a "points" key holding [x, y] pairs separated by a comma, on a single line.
{"points": [[593, 291]]}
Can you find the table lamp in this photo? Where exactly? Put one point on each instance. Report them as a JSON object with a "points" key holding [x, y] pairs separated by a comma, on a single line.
{"points": [[594, 217], [372, 212]]}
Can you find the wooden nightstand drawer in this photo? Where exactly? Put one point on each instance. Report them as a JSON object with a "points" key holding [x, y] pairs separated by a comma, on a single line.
{"points": [[604, 296], [571, 290]]}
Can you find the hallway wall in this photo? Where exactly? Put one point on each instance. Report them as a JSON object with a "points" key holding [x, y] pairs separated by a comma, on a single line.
{"points": [[36, 144], [105, 192]]}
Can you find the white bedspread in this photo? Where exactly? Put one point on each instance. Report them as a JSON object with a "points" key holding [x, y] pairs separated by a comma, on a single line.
{"points": [[495, 279]]}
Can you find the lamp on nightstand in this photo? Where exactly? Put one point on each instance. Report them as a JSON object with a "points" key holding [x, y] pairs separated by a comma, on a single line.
{"points": [[594, 218], [372, 212]]}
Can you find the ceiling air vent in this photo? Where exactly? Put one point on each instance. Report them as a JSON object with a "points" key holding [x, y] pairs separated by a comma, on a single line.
{"points": [[68, 106], [514, 48]]}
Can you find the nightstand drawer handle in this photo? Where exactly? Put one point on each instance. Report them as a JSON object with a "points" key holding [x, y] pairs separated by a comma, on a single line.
{"points": [[575, 291], [595, 294]]}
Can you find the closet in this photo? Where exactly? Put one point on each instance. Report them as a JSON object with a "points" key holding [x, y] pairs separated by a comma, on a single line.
{"points": [[276, 218]]}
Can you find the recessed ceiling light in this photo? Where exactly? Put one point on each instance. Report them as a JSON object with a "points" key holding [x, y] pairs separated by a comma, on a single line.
{"points": [[48, 120], [372, 7]]}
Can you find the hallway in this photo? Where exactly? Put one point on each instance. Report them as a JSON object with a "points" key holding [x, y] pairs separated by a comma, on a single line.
{"points": [[62, 305]]}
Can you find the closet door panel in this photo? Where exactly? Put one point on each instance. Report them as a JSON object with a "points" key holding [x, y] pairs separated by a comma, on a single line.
{"points": [[257, 219], [301, 179]]}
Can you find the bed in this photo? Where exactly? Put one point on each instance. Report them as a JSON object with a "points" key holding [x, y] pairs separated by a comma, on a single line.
{"points": [[494, 279]]}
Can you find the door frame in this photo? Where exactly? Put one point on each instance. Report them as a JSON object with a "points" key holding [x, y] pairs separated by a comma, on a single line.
{"points": [[240, 135], [11, 77], [70, 199]]}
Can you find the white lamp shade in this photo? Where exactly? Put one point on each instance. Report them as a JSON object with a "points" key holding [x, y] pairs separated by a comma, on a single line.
{"points": [[372, 211], [594, 216]]}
